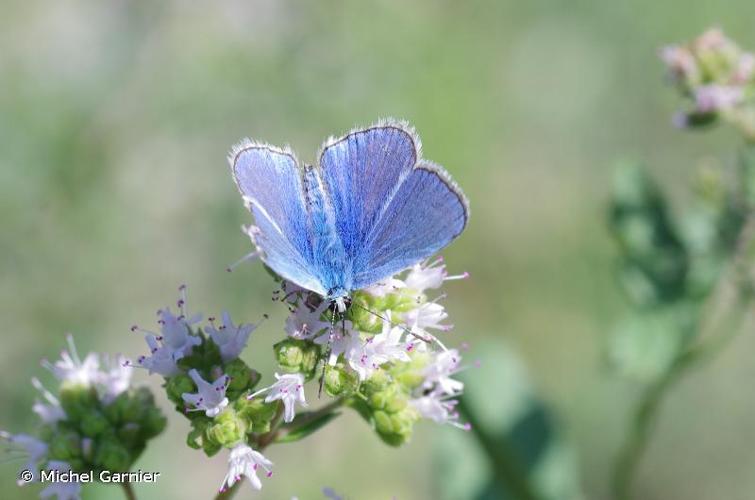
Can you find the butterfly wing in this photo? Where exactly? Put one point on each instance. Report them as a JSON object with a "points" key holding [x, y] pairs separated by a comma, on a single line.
{"points": [[271, 184], [391, 208]]}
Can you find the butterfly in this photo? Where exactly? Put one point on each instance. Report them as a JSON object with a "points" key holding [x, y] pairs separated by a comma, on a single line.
{"points": [[370, 208]]}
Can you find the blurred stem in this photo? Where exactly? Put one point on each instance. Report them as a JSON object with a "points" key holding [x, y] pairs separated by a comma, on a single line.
{"points": [[128, 490], [507, 467], [646, 413], [268, 438]]}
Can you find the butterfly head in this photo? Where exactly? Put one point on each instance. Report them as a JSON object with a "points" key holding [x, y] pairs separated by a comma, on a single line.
{"points": [[340, 297]]}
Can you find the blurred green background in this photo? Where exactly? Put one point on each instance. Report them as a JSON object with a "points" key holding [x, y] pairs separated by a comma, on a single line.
{"points": [[115, 119]]}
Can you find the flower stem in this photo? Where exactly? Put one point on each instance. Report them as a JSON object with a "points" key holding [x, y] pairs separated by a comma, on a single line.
{"points": [[507, 467], [646, 412], [128, 490], [268, 438]]}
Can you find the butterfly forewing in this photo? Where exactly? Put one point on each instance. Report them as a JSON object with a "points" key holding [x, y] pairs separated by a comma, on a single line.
{"points": [[270, 181]]}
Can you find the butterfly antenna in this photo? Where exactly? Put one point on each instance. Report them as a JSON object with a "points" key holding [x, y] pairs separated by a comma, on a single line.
{"points": [[393, 323], [330, 349], [249, 256]]}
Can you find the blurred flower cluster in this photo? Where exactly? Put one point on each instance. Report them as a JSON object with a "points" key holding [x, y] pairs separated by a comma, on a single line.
{"points": [[95, 421], [379, 356], [718, 77]]}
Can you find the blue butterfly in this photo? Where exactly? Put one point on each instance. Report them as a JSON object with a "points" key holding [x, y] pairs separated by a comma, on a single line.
{"points": [[372, 207]]}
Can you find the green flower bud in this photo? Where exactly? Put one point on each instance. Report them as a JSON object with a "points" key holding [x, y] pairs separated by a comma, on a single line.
{"points": [[227, 429], [77, 400], [378, 381], [177, 385], [65, 445], [154, 422], [114, 411], [139, 400], [243, 378], [411, 375], [297, 356], [210, 447], [93, 423], [339, 381], [203, 357], [256, 413], [112, 455], [395, 428], [130, 435]]}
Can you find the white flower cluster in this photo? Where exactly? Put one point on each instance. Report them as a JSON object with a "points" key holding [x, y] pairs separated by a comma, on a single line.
{"points": [[177, 339], [408, 321], [108, 376]]}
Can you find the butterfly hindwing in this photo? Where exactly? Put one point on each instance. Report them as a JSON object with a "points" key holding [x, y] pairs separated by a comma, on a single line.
{"points": [[424, 215]]}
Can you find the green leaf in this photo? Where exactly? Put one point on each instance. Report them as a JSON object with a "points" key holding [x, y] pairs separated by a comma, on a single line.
{"points": [[308, 423], [644, 345]]}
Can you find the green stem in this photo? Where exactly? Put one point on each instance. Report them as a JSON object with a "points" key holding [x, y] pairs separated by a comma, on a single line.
{"points": [[508, 469], [128, 490], [647, 411], [268, 438]]}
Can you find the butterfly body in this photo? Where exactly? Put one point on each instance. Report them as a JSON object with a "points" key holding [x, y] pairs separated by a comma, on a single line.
{"points": [[370, 208]]}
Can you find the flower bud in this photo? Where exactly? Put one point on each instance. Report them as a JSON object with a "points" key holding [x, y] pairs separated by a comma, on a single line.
{"points": [[394, 428], [93, 423], [130, 434], [411, 375], [137, 403], [77, 400], [340, 381], [256, 413], [112, 455], [177, 385], [226, 429], [65, 445], [297, 356], [154, 422], [378, 381], [242, 377]]}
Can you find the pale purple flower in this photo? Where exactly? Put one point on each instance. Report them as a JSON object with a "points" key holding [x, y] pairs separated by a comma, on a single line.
{"points": [[230, 338], [304, 324], [713, 98], [429, 275], [175, 333], [71, 369], [161, 359], [745, 69], [288, 388], [379, 349], [437, 407], [244, 462], [680, 63], [210, 397], [70, 490], [34, 449], [439, 372], [340, 339], [49, 412], [115, 379], [427, 315]]}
